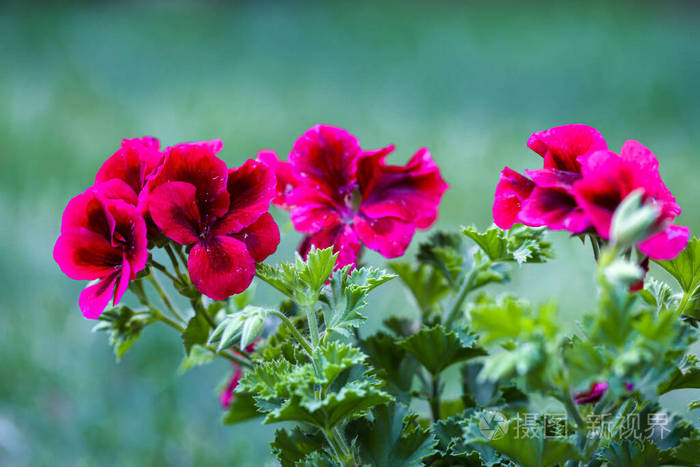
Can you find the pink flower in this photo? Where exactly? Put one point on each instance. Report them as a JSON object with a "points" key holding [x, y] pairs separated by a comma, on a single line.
{"points": [[229, 393], [195, 200], [609, 178], [547, 199], [343, 196], [101, 239], [286, 180], [596, 392]]}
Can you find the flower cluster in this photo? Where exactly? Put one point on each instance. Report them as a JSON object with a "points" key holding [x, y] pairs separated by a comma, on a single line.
{"points": [[582, 183], [185, 193], [343, 196]]}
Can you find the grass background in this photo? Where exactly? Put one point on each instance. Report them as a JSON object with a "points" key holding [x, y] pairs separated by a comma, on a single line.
{"points": [[469, 80]]}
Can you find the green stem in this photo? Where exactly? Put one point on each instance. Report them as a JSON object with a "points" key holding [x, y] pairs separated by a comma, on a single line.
{"points": [[435, 398], [164, 270], [164, 297], [198, 308], [573, 411], [313, 326], [173, 259], [295, 331], [464, 290]]}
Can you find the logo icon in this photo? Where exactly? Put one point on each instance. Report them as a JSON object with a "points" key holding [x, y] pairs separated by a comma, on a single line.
{"points": [[493, 424]]}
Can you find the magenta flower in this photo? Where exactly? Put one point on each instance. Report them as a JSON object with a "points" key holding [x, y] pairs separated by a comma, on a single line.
{"points": [[195, 200], [343, 196], [609, 178], [596, 392], [547, 199], [286, 180], [101, 239]]}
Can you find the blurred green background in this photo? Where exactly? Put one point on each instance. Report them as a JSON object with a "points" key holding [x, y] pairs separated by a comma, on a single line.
{"points": [[468, 80]]}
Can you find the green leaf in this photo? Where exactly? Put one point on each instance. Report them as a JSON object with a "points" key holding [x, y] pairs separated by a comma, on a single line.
{"points": [[392, 363], [630, 453], [508, 318], [686, 453], [426, 284], [198, 356], [292, 446], [685, 268], [335, 357], [436, 348], [393, 437], [521, 244], [196, 333], [242, 408], [317, 459], [658, 294], [686, 376], [447, 253], [346, 297], [124, 326], [532, 452]]}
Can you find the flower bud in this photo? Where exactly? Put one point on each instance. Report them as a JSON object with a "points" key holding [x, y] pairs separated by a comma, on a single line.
{"points": [[252, 329], [633, 220], [623, 273]]}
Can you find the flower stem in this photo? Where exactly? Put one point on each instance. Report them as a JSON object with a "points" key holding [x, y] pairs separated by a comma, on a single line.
{"points": [[164, 297], [464, 290], [294, 331], [169, 250], [435, 398], [164, 270]]}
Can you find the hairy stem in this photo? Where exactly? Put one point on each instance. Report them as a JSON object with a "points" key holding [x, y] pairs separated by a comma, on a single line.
{"points": [[464, 290], [435, 398], [295, 331]]}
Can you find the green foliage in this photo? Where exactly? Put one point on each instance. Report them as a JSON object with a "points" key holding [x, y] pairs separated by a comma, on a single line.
{"points": [[507, 318], [538, 451], [520, 244], [631, 453], [301, 280], [685, 268], [242, 408], [436, 348], [393, 363], [426, 284], [196, 333], [346, 297], [197, 356], [124, 326], [393, 437], [685, 376], [292, 446]]}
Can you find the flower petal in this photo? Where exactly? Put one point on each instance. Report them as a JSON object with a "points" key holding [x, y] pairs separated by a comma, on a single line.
{"points": [[85, 255], [326, 157], [220, 266], [313, 211], [390, 237], [553, 178], [284, 172], [130, 234], [116, 189], [512, 189], [666, 245], [251, 187], [88, 210], [196, 164], [174, 209], [261, 238], [133, 163], [562, 145], [95, 298], [410, 193], [343, 239], [555, 209]]}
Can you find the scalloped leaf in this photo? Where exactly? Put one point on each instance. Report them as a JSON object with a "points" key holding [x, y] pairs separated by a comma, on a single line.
{"points": [[393, 437], [436, 348]]}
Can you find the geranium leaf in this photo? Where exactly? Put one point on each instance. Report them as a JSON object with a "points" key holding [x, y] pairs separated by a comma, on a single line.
{"points": [[629, 453], [686, 376], [335, 357], [198, 356], [685, 268], [393, 437], [520, 244], [291, 446], [196, 333], [392, 363], [426, 284], [124, 326], [436, 348], [242, 408]]}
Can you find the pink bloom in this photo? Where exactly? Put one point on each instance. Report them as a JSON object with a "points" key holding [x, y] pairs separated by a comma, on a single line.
{"points": [[547, 199], [229, 393], [286, 180], [609, 178], [101, 239], [134, 163], [195, 200], [345, 197], [596, 392]]}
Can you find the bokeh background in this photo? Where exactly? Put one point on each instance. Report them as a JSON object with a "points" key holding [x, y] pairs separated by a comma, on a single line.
{"points": [[469, 80]]}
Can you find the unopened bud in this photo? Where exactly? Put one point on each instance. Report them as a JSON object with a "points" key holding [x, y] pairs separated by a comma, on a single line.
{"points": [[252, 329], [633, 220], [623, 273]]}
